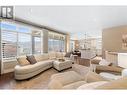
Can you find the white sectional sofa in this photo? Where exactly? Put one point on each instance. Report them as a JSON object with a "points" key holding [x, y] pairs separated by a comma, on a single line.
{"points": [[76, 78], [25, 70], [83, 79]]}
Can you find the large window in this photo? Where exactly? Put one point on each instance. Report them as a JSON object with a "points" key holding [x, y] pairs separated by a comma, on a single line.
{"points": [[56, 45], [24, 44], [62, 45], [50, 44], [18, 40], [56, 42], [24, 41], [8, 40], [72, 45], [37, 42], [9, 44]]}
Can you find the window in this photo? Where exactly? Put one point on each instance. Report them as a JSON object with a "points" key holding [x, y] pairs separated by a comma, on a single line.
{"points": [[56, 45], [7, 26], [8, 40], [56, 42], [18, 40], [72, 45], [23, 30], [50, 45], [24, 44], [37, 42], [9, 44], [62, 45]]}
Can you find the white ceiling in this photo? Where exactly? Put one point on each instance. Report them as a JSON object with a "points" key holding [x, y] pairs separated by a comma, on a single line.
{"points": [[76, 20]]}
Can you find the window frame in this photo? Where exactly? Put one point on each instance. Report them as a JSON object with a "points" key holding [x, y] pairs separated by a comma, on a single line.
{"points": [[17, 25], [18, 43], [10, 58], [60, 38]]}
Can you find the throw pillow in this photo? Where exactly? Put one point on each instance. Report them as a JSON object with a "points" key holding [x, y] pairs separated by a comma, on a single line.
{"points": [[104, 62], [23, 61], [31, 59]]}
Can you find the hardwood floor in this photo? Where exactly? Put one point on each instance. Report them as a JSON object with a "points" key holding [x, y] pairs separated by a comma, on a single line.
{"points": [[40, 81], [5, 79]]}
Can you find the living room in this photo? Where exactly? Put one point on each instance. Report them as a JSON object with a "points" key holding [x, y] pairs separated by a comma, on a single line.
{"points": [[63, 47]]}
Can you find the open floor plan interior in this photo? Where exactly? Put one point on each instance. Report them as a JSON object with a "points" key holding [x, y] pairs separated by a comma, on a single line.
{"points": [[63, 47]]}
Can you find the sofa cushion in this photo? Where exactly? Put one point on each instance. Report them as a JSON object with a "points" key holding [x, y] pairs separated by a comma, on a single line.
{"points": [[92, 85], [100, 68], [82, 70], [94, 77], [62, 79], [52, 55], [46, 62], [54, 84], [67, 77], [104, 62], [38, 57], [45, 57], [60, 54], [31, 68], [74, 85], [41, 57], [88, 75], [23, 61], [31, 59]]}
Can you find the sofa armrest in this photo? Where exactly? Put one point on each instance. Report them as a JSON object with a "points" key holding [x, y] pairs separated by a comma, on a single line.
{"points": [[87, 74], [94, 77], [96, 60], [115, 84], [82, 70], [100, 68]]}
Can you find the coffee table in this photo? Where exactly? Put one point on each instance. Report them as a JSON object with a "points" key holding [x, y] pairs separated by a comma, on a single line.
{"points": [[61, 65]]}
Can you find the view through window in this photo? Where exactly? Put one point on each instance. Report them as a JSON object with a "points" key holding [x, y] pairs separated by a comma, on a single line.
{"points": [[9, 44], [18, 40], [37, 41], [56, 42]]}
